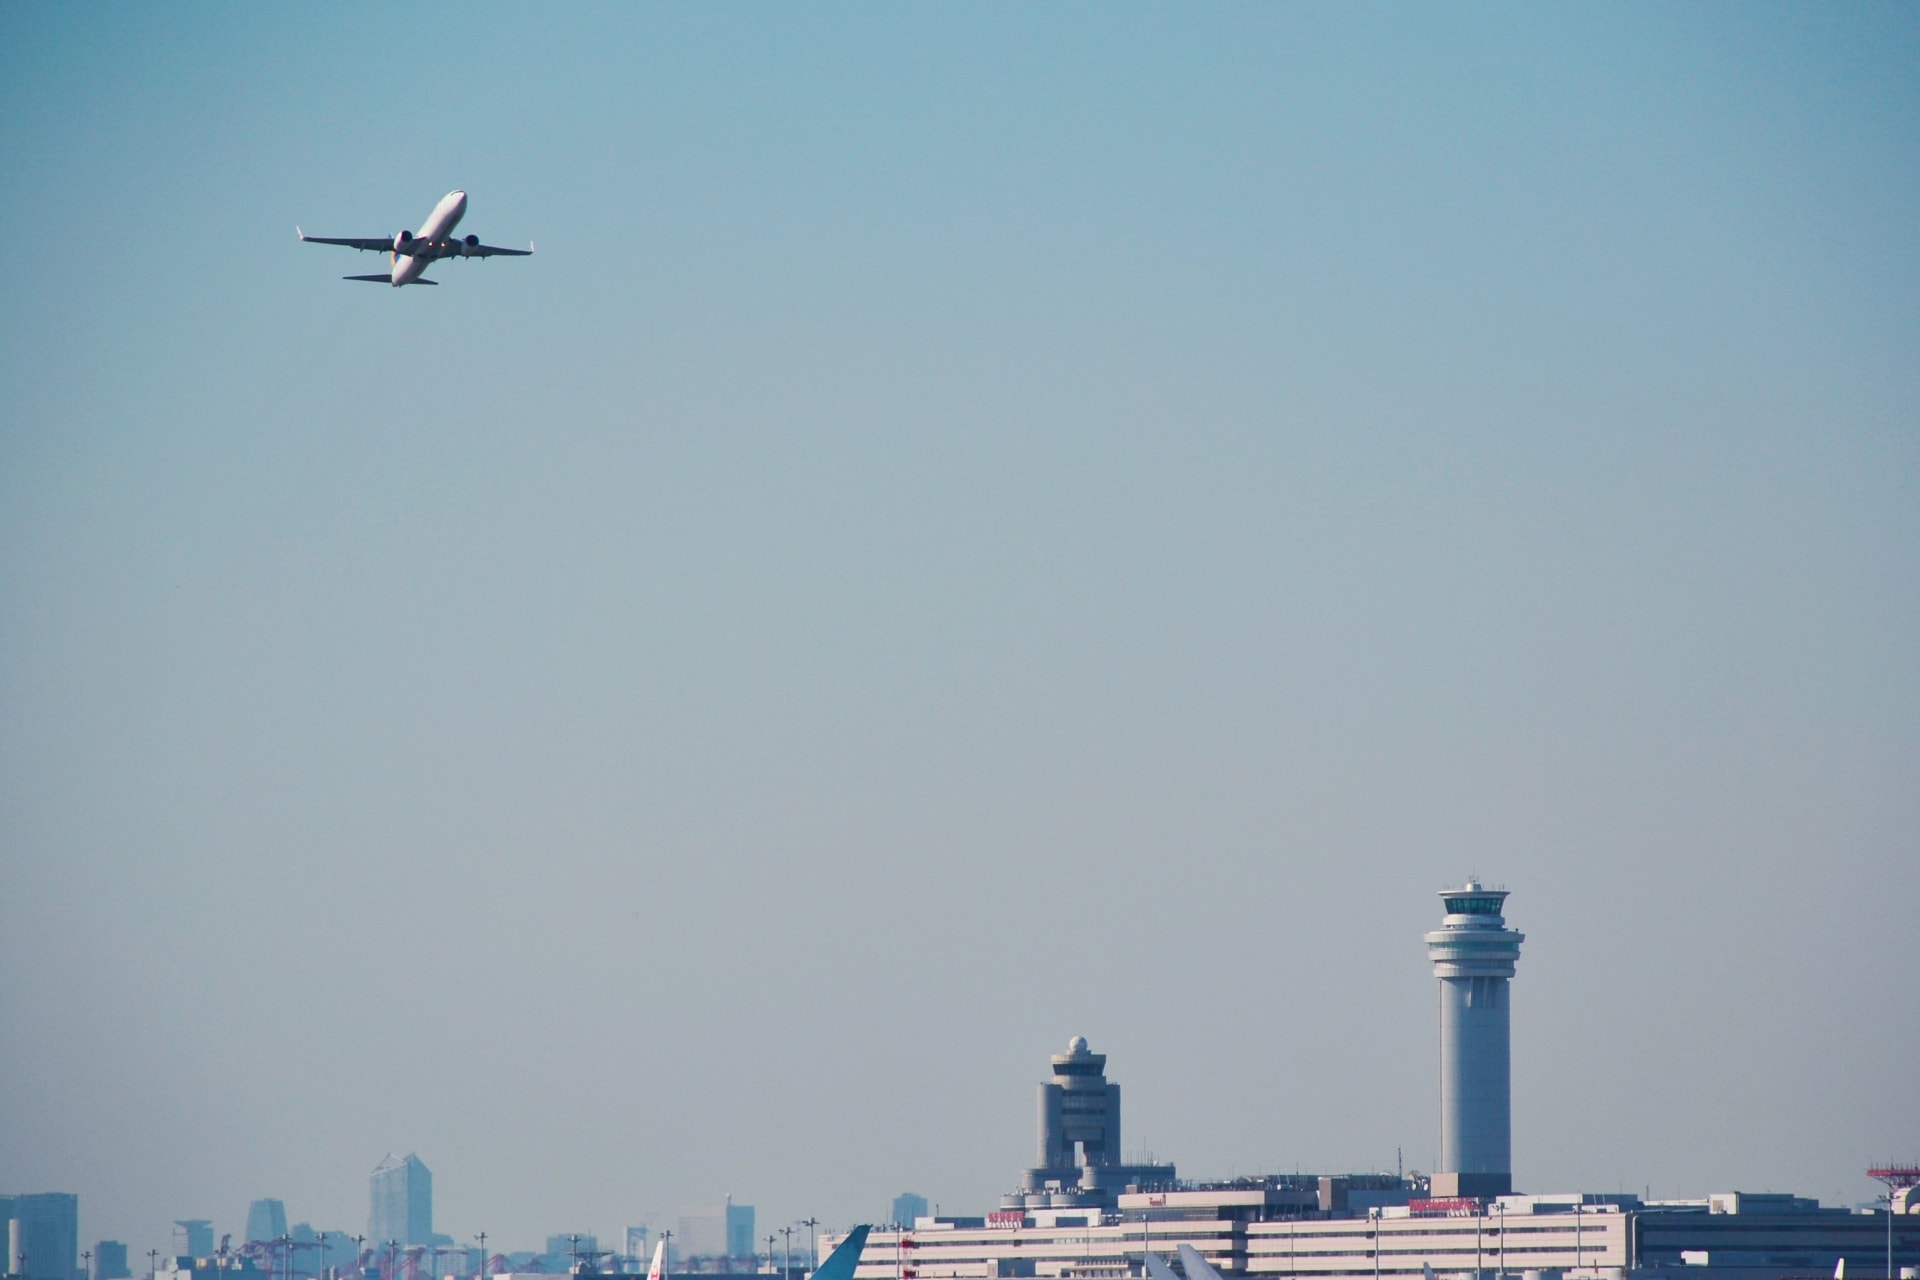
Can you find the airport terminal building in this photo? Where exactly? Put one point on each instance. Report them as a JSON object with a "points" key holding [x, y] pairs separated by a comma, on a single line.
{"points": [[1080, 1214]]}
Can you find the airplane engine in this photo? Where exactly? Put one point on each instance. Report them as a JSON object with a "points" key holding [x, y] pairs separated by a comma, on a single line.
{"points": [[403, 242], [468, 245]]}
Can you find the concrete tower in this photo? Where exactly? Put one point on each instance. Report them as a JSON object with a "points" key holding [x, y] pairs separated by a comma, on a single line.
{"points": [[1080, 1160], [1474, 954]]}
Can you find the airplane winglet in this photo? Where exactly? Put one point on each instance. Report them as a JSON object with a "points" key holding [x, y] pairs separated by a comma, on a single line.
{"points": [[297, 231]]}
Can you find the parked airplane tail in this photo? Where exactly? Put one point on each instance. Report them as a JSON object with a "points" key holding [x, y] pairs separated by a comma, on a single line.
{"points": [[1840, 1269], [841, 1262], [1196, 1267], [1157, 1268], [658, 1269]]}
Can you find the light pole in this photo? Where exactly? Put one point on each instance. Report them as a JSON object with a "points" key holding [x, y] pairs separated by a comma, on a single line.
{"points": [[482, 1238], [1374, 1214], [86, 1264], [153, 1263], [786, 1271], [813, 1253], [772, 1262]]}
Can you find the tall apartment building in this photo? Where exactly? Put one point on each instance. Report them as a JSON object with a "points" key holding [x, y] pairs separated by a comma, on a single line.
{"points": [[110, 1261], [266, 1220], [401, 1192], [43, 1236], [726, 1231]]}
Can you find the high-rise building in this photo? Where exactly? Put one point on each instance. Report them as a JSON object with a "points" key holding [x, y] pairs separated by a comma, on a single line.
{"points": [[907, 1208], [1474, 954], [639, 1243], [266, 1220], [43, 1236], [402, 1202], [740, 1241], [726, 1231], [192, 1238], [110, 1261]]}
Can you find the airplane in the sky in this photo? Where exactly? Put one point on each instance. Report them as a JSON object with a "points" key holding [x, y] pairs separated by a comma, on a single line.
{"points": [[411, 253]]}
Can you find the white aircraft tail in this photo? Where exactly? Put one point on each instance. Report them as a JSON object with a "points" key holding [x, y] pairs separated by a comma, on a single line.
{"points": [[1840, 1270], [1196, 1267], [658, 1269]]}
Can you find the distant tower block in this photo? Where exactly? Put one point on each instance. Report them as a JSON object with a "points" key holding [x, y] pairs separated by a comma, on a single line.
{"points": [[1474, 954]]}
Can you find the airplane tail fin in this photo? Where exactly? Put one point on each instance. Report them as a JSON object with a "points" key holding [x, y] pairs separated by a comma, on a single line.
{"points": [[1157, 1268], [1840, 1269], [1426, 1270], [841, 1262], [658, 1270], [1196, 1267]]}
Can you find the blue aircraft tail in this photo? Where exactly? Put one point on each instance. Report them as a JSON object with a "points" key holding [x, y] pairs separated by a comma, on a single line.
{"points": [[841, 1262]]}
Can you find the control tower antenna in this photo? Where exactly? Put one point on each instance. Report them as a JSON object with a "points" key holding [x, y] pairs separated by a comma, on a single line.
{"points": [[1474, 954]]}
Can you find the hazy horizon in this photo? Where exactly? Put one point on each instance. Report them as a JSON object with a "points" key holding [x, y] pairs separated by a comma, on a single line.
{"points": [[978, 525]]}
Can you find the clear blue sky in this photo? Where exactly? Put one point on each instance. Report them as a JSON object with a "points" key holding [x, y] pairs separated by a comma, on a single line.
{"points": [[980, 524]]}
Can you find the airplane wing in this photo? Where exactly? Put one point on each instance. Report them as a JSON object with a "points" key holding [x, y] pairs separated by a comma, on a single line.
{"points": [[381, 243], [487, 251]]}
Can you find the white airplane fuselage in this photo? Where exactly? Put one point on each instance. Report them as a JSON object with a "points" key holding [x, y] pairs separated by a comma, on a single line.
{"points": [[439, 226]]}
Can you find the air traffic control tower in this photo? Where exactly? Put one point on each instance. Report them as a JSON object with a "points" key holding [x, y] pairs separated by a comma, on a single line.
{"points": [[1080, 1116], [1474, 954]]}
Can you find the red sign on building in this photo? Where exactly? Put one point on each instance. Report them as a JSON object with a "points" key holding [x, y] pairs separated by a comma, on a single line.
{"points": [[1444, 1207]]}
